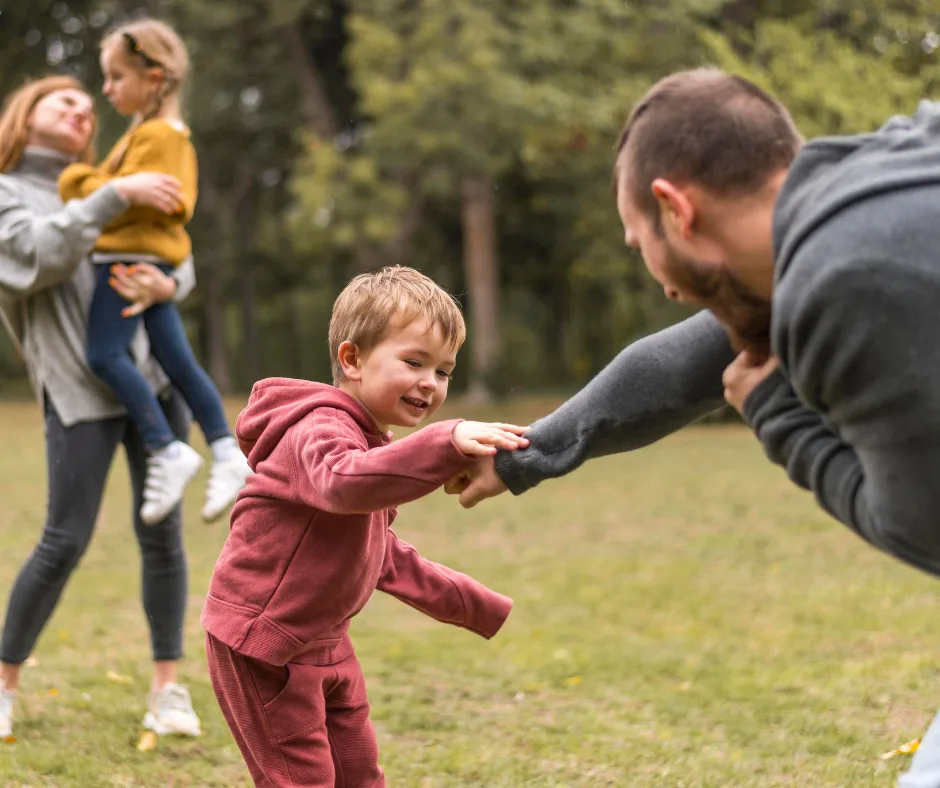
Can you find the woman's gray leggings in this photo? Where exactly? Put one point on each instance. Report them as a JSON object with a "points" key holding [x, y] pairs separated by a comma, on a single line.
{"points": [[78, 459]]}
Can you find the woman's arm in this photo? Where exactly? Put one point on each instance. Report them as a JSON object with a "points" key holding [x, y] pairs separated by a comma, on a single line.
{"points": [[38, 251]]}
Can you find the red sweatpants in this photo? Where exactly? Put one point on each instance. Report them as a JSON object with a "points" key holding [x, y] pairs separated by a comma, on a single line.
{"points": [[297, 726]]}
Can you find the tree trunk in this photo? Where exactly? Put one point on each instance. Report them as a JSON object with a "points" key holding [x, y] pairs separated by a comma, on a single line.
{"points": [[293, 314], [315, 104], [213, 290], [211, 283], [398, 250], [482, 275], [244, 235]]}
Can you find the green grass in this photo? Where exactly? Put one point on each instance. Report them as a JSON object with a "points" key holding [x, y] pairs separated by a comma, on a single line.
{"points": [[683, 617]]}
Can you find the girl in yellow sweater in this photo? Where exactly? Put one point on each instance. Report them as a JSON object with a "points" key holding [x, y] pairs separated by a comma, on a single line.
{"points": [[144, 65]]}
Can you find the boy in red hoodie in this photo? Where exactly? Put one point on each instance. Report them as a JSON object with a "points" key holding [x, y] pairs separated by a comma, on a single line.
{"points": [[310, 533]]}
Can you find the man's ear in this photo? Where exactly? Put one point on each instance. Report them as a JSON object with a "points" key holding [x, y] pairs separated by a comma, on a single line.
{"points": [[675, 208], [350, 360]]}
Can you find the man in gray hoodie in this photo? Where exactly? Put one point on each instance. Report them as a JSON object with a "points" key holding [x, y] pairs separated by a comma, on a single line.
{"points": [[819, 266]]}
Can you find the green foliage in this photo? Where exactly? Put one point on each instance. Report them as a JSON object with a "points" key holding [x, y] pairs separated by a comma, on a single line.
{"points": [[347, 151], [839, 68]]}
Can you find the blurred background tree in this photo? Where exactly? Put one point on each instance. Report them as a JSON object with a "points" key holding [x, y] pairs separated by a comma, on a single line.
{"points": [[472, 139]]}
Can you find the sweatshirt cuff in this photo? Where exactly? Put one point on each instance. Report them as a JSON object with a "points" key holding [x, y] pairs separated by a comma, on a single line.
{"points": [[105, 205], [763, 393], [510, 468], [487, 613]]}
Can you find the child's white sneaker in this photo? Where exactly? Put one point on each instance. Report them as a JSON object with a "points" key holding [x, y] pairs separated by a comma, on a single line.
{"points": [[227, 477], [7, 697], [170, 712], [168, 473]]}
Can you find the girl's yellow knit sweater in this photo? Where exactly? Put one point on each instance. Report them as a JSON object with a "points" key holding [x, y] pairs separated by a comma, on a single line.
{"points": [[153, 146]]}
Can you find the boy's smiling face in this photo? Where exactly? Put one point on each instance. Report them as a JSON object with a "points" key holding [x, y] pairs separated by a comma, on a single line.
{"points": [[403, 380]]}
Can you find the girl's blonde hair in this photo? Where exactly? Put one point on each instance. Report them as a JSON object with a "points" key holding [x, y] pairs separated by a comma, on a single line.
{"points": [[14, 131], [146, 44]]}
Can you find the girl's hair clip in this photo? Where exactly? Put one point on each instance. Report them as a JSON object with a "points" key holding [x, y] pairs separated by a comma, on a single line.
{"points": [[134, 45]]}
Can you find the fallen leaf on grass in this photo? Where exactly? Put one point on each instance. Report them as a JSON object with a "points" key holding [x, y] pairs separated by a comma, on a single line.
{"points": [[573, 681], [908, 748], [11, 739], [53, 692], [148, 741], [119, 678]]}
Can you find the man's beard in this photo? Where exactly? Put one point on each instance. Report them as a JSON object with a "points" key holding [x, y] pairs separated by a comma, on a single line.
{"points": [[745, 315]]}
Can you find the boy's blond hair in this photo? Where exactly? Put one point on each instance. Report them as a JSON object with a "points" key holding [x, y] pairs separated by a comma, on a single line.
{"points": [[371, 303]]}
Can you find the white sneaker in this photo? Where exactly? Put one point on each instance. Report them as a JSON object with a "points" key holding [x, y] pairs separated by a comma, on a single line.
{"points": [[170, 712], [225, 480], [6, 711], [168, 473]]}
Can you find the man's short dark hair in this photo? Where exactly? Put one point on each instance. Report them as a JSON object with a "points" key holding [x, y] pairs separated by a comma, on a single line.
{"points": [[705, 127]]}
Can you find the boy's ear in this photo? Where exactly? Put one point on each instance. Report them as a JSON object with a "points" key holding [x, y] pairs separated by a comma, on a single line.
{"points": [[350, 360]]}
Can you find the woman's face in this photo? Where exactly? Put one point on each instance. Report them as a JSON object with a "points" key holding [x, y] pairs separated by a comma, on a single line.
{"points": [[63, 121]]}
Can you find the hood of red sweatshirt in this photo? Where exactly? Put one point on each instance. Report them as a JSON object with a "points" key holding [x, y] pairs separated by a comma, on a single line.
{"points": [[276, 404]]}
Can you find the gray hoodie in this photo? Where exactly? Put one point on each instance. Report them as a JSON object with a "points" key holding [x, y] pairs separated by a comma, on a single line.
{"points": [[853, 414], [47, 281]]}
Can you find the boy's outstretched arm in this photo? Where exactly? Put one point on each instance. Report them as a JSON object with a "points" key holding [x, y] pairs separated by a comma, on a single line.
{"points": [[439, 592], [337, 471]]}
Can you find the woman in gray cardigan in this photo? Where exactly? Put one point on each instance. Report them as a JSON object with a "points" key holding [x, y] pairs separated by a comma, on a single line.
{"points": [[46, 284]]}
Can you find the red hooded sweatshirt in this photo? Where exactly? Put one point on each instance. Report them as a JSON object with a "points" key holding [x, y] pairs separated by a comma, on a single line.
{"points": [[310, 537]]}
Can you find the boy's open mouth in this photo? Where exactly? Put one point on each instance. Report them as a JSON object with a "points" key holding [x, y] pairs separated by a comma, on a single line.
{"points": [[418, 404]]}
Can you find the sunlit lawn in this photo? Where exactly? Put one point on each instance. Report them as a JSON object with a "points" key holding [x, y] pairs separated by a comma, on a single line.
{"points": [[683, 617]]}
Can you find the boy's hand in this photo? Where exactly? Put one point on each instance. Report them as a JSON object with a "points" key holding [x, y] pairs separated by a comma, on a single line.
{"points": [[481, 439]]}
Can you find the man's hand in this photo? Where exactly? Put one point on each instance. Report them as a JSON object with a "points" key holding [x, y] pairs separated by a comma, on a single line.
{"points": [[143, 285], [476, 484], [744, 374]]}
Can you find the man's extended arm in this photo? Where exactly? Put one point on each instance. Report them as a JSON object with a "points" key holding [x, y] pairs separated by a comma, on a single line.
{"points": [[653, 387]]}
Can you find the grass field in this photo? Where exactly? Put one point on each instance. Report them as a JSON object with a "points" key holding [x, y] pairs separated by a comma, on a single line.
{"points": [[683, 617]]}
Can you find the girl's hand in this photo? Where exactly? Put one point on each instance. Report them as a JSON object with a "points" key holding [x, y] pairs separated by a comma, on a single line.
{"points": [[143, 285], [481, 439], [154, 189]]}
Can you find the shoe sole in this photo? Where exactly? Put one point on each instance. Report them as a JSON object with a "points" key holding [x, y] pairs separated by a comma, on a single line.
{"points": [[215, 514], [150, 723], [154, 520]]}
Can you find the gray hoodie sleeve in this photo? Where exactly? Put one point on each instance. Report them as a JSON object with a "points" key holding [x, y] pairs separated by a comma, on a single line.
{"points": [[185, 276], [41, 250], [652, 388], [862, 351]]}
